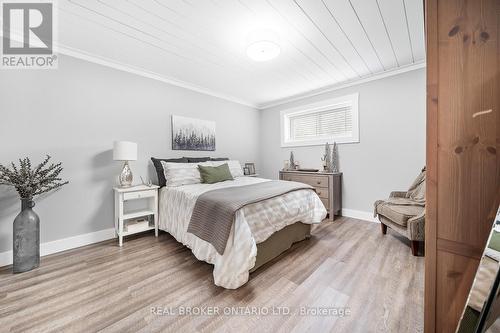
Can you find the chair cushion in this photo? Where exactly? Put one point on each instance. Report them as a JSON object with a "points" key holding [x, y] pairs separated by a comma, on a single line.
{"points": [[399, 214]]}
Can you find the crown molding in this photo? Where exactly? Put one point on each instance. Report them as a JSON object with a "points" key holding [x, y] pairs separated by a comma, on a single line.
{"points": [[86, 56], [79, 54], [89, 57], [327, 89]]}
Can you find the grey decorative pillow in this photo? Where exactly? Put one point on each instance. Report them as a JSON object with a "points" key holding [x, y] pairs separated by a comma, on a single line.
{"points": [[197, 159]]}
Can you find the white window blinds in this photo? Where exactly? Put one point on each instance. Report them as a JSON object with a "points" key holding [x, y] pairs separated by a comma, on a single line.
{"points": [[335, 122], [331, 120]]}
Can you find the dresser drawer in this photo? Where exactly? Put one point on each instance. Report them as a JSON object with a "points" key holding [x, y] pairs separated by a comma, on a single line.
{"points": [[326, 203], [322, 192], [326, 184], [138, 195], [316, 181]]}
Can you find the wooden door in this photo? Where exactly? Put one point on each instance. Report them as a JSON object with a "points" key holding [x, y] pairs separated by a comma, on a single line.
{"points": [[463, 133]]}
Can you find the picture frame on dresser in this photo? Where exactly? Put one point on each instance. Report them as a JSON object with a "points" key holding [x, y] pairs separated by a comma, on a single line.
{"points": [[328, 186]]}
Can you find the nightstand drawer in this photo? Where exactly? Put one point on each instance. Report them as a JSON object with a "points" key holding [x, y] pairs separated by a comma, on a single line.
{"points": [[138, 195], [322, 192]]}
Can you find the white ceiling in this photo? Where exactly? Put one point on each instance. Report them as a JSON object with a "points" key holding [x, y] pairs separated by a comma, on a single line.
{"points": [[200, 44]]}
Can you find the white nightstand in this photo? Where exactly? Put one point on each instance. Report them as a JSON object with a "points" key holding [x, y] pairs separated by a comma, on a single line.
{"points": [[124, 194]]}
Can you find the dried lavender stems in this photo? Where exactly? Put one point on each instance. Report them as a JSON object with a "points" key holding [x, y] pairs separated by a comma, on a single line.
{"points": [[30, 182]]}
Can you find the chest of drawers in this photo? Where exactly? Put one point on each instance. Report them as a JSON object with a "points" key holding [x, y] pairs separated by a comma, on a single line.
{"points": [[328, 186]]}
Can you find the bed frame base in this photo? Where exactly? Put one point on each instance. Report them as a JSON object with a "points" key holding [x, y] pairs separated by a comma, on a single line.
{"points": [[279, 242]]}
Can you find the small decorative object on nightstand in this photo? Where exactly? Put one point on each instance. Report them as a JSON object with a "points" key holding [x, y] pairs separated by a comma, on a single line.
{"points": [[125, 151], [124, 216]]}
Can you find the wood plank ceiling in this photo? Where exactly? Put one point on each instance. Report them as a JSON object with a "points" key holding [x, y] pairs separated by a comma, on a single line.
{"points": [[202, 43]]}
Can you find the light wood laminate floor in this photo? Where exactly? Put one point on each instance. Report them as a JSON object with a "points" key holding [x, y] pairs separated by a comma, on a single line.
{"points": [[101, 287]]}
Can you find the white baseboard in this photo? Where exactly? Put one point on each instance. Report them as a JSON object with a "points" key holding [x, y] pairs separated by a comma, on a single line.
{"points": [[358, 214], [65, 244], [102, 235]]}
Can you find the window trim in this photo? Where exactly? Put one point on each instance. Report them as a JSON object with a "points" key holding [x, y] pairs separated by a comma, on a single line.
{"points": [[352, 99]]}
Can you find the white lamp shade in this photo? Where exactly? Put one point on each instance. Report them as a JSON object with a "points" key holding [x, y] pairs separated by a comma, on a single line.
{"points": [[124, 151]]}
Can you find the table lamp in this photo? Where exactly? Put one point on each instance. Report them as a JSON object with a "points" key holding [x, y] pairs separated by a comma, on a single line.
{"points": [[125, 151]]}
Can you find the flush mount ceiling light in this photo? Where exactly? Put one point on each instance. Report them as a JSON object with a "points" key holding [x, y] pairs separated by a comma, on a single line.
{"points": [[263, 50], [263, 45]]}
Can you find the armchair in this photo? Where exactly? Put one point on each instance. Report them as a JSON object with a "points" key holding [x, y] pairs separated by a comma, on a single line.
{"points": [[404, 212]]}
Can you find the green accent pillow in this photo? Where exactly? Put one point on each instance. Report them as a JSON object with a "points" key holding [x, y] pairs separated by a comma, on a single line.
{"points": [[495, 241], [210, 175]]}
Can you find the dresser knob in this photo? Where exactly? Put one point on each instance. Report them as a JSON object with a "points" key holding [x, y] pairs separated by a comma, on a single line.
{"points": [[318, 182]]}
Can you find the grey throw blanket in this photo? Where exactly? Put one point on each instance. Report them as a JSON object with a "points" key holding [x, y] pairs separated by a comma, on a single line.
{"points": [[415, 196], [214, 211]]}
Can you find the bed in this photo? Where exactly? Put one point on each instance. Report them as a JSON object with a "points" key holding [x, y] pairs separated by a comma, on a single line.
{"points": [[260, 231]]}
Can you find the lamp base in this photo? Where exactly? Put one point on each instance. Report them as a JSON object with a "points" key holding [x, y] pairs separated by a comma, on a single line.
{"points": [[126, 176]]}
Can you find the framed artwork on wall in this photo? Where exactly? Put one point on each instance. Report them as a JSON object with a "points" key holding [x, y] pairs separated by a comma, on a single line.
{"points": [[192, 134]]}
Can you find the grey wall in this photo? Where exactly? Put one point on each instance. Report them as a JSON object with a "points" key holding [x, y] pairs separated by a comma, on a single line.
{"points": [[76, 112], [392, 139]]}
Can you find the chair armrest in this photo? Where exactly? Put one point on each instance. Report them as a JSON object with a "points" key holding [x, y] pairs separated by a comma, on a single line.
{"points": [[398, 194], [416, 227]]}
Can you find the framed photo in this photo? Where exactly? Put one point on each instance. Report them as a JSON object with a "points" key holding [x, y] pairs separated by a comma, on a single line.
{"points": [[245, 171], [192, 134], [251, 168]]}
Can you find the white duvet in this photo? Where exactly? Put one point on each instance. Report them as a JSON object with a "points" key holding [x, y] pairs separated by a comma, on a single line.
{"points": [[253, 224]]}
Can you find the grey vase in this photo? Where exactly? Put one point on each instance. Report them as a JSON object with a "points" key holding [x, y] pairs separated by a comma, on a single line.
{"points": [[26, 238]]}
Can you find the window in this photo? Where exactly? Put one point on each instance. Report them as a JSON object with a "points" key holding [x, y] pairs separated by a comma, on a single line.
{"points": [[327, 121]]}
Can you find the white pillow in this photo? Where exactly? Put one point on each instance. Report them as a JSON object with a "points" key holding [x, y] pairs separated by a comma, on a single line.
{"points": [[234, 167], [178, 174]]}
